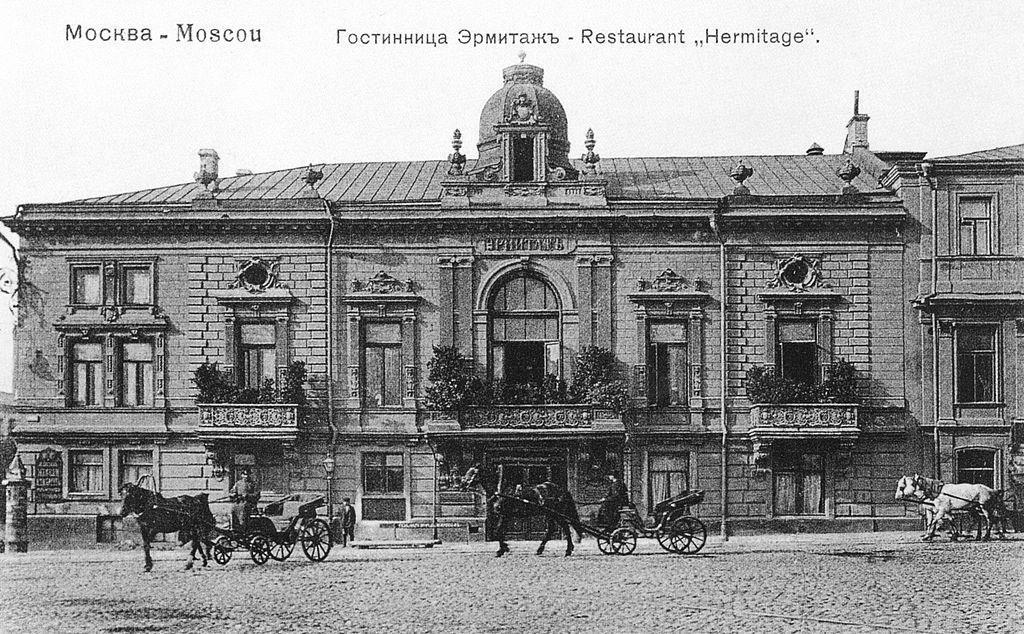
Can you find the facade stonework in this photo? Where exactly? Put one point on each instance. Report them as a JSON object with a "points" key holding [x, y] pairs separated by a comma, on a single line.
{"points": [[692, 273]]}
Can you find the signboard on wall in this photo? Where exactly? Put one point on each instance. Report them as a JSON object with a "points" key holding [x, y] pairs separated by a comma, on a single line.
{"points": [[49, 476]]}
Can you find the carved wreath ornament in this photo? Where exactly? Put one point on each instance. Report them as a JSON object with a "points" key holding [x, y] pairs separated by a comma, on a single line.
{"points": [[256, 275], [798, 273]]}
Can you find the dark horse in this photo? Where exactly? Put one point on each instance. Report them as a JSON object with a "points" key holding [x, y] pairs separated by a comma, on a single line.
{"points": [[547, 499], [187, 515]]}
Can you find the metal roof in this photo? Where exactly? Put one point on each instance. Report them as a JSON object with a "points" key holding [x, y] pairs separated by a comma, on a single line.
{"points": [[628, 179], [1009, 152]]}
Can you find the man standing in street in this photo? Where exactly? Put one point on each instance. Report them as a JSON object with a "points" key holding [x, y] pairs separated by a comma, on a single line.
{"points": [[244, 496], [348, 522]]}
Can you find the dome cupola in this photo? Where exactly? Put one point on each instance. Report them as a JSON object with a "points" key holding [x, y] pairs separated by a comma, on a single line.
{"points": [[523, 130]]}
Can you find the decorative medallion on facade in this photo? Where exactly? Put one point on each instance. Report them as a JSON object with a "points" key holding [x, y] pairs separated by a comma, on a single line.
{"points": [[257, 275], [668, 281], [522, 111], [382, 284], [798, 274]]}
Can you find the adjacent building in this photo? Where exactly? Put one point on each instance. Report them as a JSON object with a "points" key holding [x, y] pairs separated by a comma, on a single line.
{"points": [[873, 298]]}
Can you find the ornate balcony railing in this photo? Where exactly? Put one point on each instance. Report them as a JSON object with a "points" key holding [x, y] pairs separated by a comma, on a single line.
{"points": [[804, 420], [529, 417], [254, 421]]}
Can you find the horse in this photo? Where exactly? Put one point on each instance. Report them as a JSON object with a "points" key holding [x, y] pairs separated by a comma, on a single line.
{"points": [[188, 515], [984, 503], [547, 499]]}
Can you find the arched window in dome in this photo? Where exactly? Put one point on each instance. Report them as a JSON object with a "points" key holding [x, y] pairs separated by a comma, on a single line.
{"points": [[525, 330]]}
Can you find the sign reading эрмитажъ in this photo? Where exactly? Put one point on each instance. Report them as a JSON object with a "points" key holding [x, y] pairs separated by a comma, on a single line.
{"points": [[514, 244]]}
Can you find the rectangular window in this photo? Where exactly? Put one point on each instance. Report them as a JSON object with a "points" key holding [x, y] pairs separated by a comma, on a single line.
{"points": [[134, 465], [383, 473], [667, 475], [522, 158], [976, 466], [136, 374], [86, 286], [799, 479], [383, 358], [798, 351], [258, 354], [137, 282], [666, 364], [383, 486], [975, 226], [87, 374], [85, 472], [976, 363]]}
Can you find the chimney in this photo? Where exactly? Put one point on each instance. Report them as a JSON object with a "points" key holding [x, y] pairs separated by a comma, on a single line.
{"points": [[857, 128], [207, 168], [815, 150]]}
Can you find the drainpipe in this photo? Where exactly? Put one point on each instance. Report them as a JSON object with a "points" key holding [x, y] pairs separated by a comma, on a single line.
{"points": [[716, 227], [329, 261], [927, 171]]}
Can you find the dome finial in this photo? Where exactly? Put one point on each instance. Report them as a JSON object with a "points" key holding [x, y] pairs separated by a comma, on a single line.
{"points": [[522, 56], [456, 160], [590, 159]]}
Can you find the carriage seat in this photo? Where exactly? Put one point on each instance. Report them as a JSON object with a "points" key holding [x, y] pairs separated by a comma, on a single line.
{"points": [[289, 506]]}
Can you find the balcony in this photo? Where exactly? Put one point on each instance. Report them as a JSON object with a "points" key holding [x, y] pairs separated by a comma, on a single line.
{"points": [[248, 421], [534, 418], [803, 421]]}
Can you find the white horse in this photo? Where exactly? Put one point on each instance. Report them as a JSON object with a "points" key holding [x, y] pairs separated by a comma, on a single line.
{"points": [[984, 503]]}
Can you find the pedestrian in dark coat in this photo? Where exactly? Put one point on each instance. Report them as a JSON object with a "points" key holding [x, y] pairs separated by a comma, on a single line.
{"points": [[348, 522], [617, 497]]}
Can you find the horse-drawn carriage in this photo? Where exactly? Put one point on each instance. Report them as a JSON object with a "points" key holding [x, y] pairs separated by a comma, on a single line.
{"points": [[955, 505], [675, 529], [190, 516], [265, 540]]}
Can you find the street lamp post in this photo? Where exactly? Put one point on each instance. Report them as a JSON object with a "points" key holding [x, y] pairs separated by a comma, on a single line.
{"points": [[437, 495], [329, 465]]}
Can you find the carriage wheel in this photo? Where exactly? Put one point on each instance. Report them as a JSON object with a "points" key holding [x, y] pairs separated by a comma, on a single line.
{"points": [[604, 544], [623, 541], [222, 550], [280, 549], [259, 549], [316, 540], [685, 536]]}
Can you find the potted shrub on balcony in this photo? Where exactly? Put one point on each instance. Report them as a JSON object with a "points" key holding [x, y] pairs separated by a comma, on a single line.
{"points": [[225, 406], [780, 403], [459, 399]]}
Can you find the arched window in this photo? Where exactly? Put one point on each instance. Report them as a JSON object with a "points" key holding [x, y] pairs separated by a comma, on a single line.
{"points": [[976, 466], [525, 330]]}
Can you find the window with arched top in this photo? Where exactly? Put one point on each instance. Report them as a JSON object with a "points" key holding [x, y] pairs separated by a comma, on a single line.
{"points": [[525, 330]]}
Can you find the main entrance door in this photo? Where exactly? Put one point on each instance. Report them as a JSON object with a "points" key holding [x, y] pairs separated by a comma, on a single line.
{"points": [[529, 471]]}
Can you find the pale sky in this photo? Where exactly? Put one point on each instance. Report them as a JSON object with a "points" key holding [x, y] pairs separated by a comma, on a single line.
{"points": [[90, 118]]}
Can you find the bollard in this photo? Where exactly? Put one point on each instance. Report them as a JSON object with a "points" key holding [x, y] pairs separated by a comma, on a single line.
{"points": [[16, 530]]}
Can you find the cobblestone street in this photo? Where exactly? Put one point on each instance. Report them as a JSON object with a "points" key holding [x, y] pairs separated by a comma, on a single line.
{"points": [[856, 583]]}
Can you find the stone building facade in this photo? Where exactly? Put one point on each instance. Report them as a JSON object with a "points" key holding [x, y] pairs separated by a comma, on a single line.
{"points": [[690, 271], [969, 305]]}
